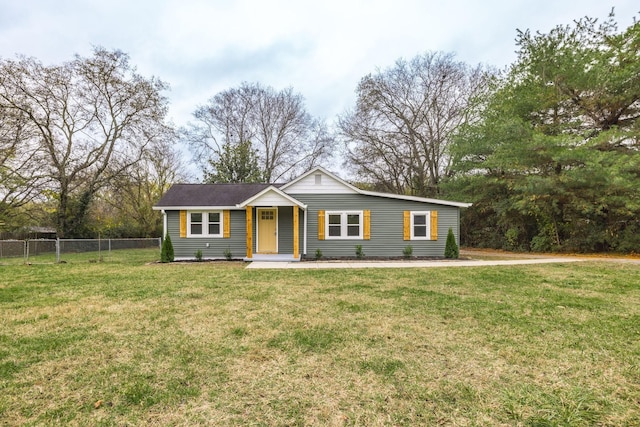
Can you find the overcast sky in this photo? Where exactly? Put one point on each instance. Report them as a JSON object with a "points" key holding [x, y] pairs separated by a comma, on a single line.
{"points": [[321, 48]]}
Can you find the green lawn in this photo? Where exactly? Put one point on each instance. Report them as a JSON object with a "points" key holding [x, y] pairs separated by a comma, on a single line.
{"points": [[127, 342]]}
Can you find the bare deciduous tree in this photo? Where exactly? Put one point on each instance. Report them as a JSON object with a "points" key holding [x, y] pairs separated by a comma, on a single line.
{"points": [[93, 118], [130, 196], [399, 132], [20, 177], [286, 138]]}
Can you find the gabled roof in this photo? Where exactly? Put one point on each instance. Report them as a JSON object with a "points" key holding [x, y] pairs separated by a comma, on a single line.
{"points": [[209, 195], [233, 196], [342, 182], [314, 171], [272, 194]]}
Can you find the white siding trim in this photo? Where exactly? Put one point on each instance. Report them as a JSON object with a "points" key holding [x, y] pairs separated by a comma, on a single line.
{"points": [[327, 184], [164, 224], [416, 199], [197, 208], [271, 196]]}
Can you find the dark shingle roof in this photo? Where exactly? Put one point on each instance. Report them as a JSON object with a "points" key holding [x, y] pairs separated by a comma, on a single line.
{"points": [[210, 194]]}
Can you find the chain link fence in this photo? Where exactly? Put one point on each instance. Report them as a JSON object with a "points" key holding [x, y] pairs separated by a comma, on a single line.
{"points": [[53, 250]]}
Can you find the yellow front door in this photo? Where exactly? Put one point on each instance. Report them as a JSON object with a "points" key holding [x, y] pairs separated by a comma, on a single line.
{"points": [[267, 231]]}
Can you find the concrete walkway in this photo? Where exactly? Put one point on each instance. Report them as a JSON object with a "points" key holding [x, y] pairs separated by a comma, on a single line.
{"points": [[408, 264]]}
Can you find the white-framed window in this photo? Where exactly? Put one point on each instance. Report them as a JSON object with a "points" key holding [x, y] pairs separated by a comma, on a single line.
{"points": [[204, 224], [344, 225], [420, 225]]}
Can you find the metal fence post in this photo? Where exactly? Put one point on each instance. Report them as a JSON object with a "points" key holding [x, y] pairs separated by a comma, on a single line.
{"points": [[57, 250], [26, 251]]}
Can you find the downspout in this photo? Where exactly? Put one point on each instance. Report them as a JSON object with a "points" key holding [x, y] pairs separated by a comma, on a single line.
{"points": [[164, 224]]}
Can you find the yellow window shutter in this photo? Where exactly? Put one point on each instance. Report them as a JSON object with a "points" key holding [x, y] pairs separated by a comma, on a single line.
{"points": [[367, 225], [226, 217], [407, 225], [296, 248], [434, 225], [320, 225], [183, 223], [249, 236]]}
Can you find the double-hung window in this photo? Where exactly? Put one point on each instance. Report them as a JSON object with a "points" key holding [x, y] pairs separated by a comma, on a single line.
{"points": [[420, 225], [344, 225], [204, 224]]}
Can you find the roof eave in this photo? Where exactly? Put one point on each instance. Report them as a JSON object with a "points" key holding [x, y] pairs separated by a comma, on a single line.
{"points": [[416, 199], [192, 208]]}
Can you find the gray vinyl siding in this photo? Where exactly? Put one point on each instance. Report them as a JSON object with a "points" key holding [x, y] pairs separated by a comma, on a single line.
{"points": [[387, 236], [386, 229], [285, 229], [187, 247]]}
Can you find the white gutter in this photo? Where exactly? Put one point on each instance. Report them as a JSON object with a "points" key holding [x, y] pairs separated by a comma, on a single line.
{"points": [[196, 208]]}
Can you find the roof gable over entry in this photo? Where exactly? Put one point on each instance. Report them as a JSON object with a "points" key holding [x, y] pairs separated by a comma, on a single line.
{"points": [[271, 196]]}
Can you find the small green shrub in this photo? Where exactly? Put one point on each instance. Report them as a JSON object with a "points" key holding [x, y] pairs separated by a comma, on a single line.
{"points": [[511, 238], [198, 255], [227, 254], [166, 253], [451, 248], [407, 252], [359, 252], [318, 254]]}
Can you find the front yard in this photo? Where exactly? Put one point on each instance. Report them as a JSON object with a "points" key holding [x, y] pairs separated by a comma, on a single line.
{"points": [[127, 342]]}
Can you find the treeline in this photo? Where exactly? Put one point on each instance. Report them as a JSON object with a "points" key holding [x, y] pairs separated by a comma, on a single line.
{"points": [[84, 146], [546, 150], [552, 161]]}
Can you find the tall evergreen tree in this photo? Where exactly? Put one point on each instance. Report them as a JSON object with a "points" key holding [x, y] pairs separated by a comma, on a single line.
{"points": [[236, 163], [555, 162]]}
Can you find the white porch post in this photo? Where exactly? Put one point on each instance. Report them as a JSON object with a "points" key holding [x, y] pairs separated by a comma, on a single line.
{"points": [[304, 232]]}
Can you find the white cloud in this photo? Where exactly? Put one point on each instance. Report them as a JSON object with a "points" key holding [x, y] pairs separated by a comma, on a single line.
{"points": [[320, 48]]}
